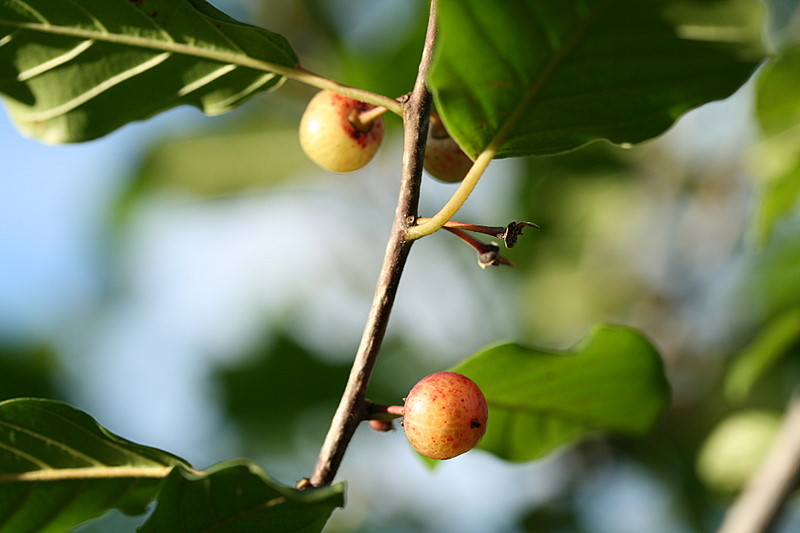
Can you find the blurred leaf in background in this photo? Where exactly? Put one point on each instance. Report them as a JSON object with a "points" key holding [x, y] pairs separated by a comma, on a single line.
{"points": [[777, 339], [27, 371], [612, 381], [268, 392], [776, 160]]}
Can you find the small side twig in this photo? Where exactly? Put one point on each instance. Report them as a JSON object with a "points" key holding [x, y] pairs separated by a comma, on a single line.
{"points": [[488, 253], [509, 234], [759, 505], [376, 411]]}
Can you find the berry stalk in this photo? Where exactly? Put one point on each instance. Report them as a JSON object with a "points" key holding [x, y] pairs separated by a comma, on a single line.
{"points": [[302, 75]]}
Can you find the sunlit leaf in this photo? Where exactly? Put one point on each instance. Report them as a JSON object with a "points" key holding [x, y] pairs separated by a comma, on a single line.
{"points": [[59, 467], [539, 399], [545, 76], [75, 70], [237, 496], [777, 160]]}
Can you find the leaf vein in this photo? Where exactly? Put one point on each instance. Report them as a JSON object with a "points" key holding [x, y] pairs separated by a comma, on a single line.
{"points": [[261, 80], [47, 440], [486, 38], [36, 15], [221, 34], [28, 457], [571, 417], [163, 46], [56, 508], [98, 89], [104, 440], [205, 80], [95, 21], [538, 84], [54, 62], [220, 525], [152, 22]]}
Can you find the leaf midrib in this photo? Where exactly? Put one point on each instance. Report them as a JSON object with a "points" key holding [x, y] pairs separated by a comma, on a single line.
{"points": [[151, 44], [538, 84], [94, 472], [571, 417]]}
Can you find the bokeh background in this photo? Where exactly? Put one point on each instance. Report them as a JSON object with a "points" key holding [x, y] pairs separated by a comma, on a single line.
{"points": [[197, 285]]}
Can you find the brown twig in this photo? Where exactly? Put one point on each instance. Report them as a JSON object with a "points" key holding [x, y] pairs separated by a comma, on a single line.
{"points": [[352, 407], [488, 253], [758, 507], [509, 233]]}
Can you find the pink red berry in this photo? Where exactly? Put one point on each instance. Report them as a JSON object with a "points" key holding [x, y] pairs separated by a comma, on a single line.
{"points": [[331, 137], [444, 159], [445, 415]]}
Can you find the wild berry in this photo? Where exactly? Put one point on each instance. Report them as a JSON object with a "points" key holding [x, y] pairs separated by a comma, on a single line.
{"points": [[444, 159], [332, 136], [445, 415]]}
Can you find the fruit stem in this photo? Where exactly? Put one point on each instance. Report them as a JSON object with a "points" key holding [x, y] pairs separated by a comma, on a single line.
{"points": [[315, 80], [363, 120], [375, 411], [353, 406]]}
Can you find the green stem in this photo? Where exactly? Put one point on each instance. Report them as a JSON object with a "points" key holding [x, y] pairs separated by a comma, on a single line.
{"points": [[365, 118], [309, 78], [459, 196]]}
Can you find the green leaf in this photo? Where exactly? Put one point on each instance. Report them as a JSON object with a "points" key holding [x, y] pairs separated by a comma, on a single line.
{"points": [[539, 400], [536, 77], [73, 70], [777, 162], [776, 340], [59, 467], [221, 164], [237, 496], [263, 418]]}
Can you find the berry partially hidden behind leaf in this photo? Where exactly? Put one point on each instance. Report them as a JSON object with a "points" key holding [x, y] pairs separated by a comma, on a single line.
{"points": [[332, 136], [445, 415], [444, 159]]}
